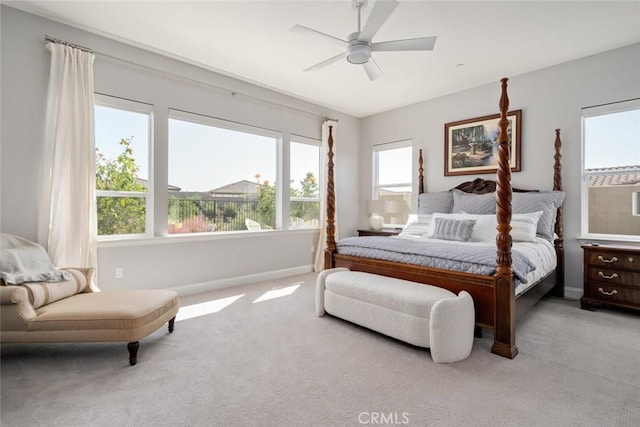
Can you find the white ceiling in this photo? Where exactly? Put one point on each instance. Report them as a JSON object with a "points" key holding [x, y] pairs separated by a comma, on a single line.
{"points": [[252, 41]]}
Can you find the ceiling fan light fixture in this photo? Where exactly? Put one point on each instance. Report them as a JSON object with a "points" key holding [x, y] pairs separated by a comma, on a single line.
{"points": [[358, 53], [359, 44]]}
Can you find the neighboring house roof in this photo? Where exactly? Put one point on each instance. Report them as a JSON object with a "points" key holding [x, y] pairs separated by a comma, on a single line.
{"points": [[195, 195], [622, 175], [145, 184], [242, 188]]}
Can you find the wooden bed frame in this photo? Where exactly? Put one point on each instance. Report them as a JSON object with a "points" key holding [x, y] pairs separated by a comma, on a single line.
{"points": [[496, 306]]}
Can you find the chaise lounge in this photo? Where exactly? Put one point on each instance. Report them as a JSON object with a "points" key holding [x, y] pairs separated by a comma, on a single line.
{"points": [[73, 309]]}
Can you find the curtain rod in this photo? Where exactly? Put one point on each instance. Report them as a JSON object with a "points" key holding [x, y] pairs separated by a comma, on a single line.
{"points": [[48, 38], [181, 77]]}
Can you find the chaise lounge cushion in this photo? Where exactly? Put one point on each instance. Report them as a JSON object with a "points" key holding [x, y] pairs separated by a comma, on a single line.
{"points": [[119, 315]]}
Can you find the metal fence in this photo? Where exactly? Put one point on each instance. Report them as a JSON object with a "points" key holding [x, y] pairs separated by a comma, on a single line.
{"points": [[196, 215]]}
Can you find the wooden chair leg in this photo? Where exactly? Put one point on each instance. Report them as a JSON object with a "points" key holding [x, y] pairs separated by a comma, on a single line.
{"points": [[133, 352], [171, 323]]}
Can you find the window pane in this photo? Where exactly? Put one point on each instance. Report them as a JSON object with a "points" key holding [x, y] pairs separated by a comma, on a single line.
{"points": [[220, 179], [393, 183], [122, 140], [612, 166], [122, 153], [121, 215], [305, 195], [612, 140], [394, 166]]}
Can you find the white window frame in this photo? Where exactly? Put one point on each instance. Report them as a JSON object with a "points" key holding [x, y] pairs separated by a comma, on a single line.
{"points": [[281, 188], [316, 143], [600, 110], [143, 108], [375, 168]]}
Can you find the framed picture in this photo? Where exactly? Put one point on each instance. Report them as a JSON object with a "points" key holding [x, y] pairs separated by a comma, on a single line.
{"points": [[471, 146]]}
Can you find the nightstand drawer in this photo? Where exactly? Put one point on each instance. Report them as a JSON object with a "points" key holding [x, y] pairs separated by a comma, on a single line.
{"points": [[627, 261], [612, 293], [615, 277]]}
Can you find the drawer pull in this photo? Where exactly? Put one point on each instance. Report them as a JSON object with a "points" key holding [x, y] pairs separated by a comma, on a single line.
{"points": [[613, 292], [608, 261], [604, 276]]}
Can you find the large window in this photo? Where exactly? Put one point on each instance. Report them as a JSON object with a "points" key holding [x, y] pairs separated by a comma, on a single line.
{"points": [[222, 176], [304, 202], [392, 177], [123, 189], [611, 170]]}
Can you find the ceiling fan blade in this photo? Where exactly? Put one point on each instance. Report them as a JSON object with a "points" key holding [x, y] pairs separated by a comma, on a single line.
{"points": [[420, 43], [305, 30], [381, 11], [327, 62], [373, 70]]}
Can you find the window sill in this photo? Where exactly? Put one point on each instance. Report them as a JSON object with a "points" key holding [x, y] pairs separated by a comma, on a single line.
{"points": [[606, 238], [200, 237]]}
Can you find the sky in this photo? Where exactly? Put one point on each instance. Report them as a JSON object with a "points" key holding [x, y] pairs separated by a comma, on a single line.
{"points": [[395, 167], [612, 140], [201, 157]]}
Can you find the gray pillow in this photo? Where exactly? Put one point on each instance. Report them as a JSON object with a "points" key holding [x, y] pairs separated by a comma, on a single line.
{"points": [[438, 202], [480, 204], [547, 202], [453, 229]]}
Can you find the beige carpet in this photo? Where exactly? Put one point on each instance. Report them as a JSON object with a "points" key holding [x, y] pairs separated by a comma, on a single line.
{"points": [[273, 363]]}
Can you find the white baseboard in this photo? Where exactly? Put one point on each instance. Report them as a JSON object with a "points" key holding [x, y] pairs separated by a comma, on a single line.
{"points": [[196, 288], [573, 293]]}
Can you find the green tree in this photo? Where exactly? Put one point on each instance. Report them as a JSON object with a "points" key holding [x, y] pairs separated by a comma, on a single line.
{"points": [[119, 215], [309, 186], [305, 209], [267, 203]]}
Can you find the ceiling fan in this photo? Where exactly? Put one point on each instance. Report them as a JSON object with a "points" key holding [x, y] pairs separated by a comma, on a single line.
{"points": [[359, 45]]}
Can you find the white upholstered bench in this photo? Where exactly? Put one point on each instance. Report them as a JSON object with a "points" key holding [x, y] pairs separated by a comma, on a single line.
{"points": [[422, 315]]}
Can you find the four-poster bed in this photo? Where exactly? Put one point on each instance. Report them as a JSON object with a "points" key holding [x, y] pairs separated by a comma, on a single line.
{"points": [[496, 304]]}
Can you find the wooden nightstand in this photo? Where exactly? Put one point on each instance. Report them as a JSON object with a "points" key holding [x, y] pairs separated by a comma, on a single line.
{"points": [[611, 276], [383, 232]]}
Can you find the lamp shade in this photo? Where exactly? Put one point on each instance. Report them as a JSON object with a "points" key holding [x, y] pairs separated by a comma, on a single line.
{"points": [[377, 206]]}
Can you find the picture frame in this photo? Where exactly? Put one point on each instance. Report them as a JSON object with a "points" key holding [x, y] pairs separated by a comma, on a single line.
{"points": [[470, 146]]}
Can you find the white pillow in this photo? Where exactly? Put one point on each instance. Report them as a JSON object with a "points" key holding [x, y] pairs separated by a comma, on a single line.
{"points": [[417, 225], [524, 226]]}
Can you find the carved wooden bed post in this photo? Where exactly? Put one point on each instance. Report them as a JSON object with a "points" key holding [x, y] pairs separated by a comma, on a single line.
{"points": [[504, 342], [420, 173], [331, 206], [558, 289]]}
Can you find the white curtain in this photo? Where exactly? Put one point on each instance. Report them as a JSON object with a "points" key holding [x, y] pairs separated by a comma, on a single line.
{"points": [[67, 210], [322, 241]]}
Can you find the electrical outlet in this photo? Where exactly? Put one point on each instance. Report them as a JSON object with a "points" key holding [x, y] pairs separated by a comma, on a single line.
{"points": [[119, 272]]}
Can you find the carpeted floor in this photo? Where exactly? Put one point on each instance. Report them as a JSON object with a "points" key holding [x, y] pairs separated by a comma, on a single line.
{"points": [[273, 363]]}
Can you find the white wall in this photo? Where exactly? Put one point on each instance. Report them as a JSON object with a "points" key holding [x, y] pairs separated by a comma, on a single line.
{"points": [[217, 260], [550, 98]]}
